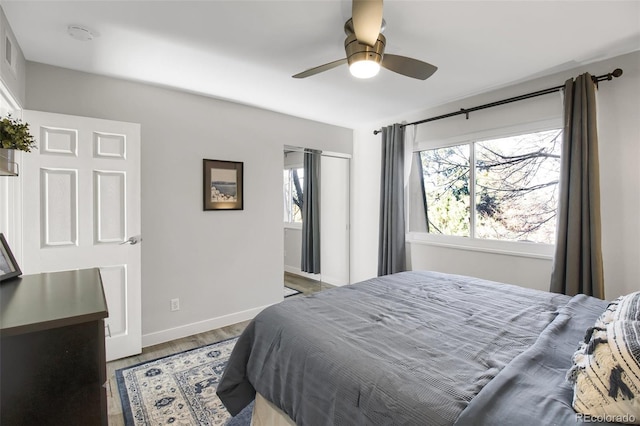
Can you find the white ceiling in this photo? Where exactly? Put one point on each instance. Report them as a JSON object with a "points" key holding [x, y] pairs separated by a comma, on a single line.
{"points": [[246, 51]]}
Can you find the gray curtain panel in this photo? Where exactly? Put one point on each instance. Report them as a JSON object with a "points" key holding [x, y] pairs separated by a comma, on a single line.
{"points": [[391, 246], [577, 266], [310, 261]]}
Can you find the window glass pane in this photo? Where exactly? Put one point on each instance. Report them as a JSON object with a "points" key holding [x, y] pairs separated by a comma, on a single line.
{"points": [[293, 180], [517, 187], [446, 189], [286, 188], [297, 177]]}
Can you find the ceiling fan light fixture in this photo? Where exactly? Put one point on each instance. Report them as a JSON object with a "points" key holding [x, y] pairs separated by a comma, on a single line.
{"points": [[365, 52], [364, 61], [364, 68]]}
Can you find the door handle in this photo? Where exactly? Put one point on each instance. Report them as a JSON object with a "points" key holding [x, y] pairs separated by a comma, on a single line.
{"points": [[133, 240]]}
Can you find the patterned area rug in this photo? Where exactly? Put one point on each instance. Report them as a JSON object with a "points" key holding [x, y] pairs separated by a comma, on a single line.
{"points": [[288, 291], [178, 389]]}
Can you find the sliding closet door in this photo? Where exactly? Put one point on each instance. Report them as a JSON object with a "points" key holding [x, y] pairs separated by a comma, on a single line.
{"points": [[334, 220]]}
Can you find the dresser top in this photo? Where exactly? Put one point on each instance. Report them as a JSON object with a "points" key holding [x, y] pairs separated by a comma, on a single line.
{"points": [[49, 300]]}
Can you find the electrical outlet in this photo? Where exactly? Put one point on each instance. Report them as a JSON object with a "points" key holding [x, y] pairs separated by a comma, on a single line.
{"points": [[175, 304]]}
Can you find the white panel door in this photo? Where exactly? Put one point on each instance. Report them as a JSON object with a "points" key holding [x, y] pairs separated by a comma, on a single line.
{"points": [[81, 209]]}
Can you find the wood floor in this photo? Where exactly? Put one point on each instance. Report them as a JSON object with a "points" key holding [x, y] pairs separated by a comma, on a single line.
{"points": [[303, 284], [114, 407]]}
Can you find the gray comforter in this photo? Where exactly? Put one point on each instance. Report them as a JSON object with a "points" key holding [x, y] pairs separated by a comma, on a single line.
{"points": [[532, 389], [408, 349]]}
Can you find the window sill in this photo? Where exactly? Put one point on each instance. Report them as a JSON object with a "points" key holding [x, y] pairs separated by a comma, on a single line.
{"points": [[506, 248]]}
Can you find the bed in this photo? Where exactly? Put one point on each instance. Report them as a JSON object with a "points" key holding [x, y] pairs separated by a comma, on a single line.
{"points": [[414, 348]]}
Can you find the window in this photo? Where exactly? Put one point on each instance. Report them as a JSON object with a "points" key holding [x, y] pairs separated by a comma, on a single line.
{"points": [[512, 180], [293, 181]]}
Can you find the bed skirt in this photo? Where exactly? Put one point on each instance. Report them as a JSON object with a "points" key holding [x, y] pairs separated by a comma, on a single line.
{"points": [[267, 414]]}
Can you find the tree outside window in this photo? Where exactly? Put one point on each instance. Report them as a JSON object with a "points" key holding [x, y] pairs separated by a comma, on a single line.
{"points": [[293, 182], [513, 182]]}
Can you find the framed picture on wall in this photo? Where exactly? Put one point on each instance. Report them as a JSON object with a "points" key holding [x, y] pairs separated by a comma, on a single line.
{"points": [[8, 265], [222, 185]]}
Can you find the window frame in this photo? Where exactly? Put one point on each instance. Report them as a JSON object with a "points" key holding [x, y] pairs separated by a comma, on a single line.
{"points": [[473, 243]]}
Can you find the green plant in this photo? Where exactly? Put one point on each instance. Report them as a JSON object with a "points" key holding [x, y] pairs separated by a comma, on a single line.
{"points": [[14, 134]]}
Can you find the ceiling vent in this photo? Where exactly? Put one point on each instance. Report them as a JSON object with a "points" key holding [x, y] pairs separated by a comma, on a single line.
{"points": [[80, 32], [8, 51]]}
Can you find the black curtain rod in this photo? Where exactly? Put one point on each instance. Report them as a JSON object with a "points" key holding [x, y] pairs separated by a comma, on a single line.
{"points": [[615, 73]]}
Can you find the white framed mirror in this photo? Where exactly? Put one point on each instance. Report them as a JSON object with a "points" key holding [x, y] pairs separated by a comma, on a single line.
{"points": [[333, 212]]}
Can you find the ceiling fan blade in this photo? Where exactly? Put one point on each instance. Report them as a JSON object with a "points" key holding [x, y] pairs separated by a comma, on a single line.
{"points": [[321, 68], [367, 20], [408, 66]]}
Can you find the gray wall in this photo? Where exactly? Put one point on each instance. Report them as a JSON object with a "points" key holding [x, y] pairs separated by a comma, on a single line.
{"points": [[619, 133], [223, 265]]}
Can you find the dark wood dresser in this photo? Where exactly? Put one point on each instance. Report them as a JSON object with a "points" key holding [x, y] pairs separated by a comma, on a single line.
{"points": [[52, 353]]}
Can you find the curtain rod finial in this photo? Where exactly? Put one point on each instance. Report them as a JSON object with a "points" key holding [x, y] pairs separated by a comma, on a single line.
{"points": [[617, 72], [375, 132]]}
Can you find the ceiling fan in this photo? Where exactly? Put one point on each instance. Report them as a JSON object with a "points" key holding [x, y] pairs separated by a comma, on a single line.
{"points": [[364, 47]]}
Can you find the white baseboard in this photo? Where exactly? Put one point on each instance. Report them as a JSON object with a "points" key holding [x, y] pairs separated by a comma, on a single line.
{"points": [[333, 281], [163, 336]]}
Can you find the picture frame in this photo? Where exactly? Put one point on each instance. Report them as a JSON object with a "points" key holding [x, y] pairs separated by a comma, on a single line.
{"points": [[223, 185], [8, 266]]}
